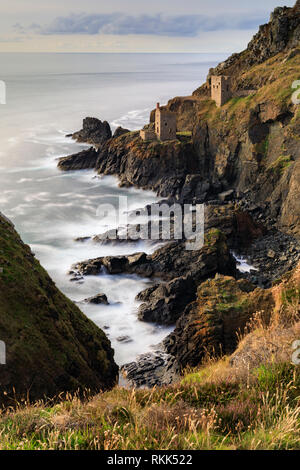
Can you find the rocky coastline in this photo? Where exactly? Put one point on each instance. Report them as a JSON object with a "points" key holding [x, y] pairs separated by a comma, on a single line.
{"points": [[243, 162]]}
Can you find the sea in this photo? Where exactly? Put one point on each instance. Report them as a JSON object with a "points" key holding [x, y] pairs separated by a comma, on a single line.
{"points": [[47, 97]]}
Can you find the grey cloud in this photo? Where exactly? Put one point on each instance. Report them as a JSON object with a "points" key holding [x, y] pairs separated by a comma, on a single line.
{"points": [[159, 25]]}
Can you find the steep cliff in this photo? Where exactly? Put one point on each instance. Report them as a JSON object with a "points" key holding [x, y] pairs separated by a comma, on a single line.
{"points": [[251, 144], [160, 166], [280, 34], [51, 347]]}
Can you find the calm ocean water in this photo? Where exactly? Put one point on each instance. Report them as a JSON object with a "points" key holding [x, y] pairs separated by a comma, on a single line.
{"points": [[48, 95]]}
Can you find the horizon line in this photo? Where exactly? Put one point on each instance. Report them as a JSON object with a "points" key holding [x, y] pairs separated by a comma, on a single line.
{"points": [[87, 52]]}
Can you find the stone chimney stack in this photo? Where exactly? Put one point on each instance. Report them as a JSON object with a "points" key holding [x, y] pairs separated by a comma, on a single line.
{"points": [[157, 105]]}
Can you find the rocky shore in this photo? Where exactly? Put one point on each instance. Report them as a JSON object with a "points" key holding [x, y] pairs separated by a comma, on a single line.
{"points": [[243, 162], [184, 281]]}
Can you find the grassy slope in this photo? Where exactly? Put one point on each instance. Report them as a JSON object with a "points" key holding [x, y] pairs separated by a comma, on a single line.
{"points": [[222, 405], [213, 408], [51, 345], [273, 81]]}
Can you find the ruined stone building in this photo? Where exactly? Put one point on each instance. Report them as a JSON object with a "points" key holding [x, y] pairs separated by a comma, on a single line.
{"points": [[148, 133], [165, 126], [220, 89]]}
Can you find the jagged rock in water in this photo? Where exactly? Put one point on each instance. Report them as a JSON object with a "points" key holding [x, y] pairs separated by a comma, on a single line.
{"points": [[79, 161], [93, 132], [97, 299], [183, 269], [124, 339]]}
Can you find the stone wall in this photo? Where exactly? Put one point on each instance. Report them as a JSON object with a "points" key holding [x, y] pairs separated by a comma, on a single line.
{"points": [[147, 134]]}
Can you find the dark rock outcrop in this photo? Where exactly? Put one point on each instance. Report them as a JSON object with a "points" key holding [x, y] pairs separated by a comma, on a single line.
{"points": [[167, 302], [79, 161], [94, 132], [97, 299], [183, 269], [169, 262], [273, 255], [153, 369], [51, 347], [161, 167], [210, 325], [120, 131]]}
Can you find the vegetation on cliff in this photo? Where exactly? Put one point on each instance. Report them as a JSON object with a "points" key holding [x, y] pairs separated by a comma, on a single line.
{"points": [[226, 404], [51, 346]]}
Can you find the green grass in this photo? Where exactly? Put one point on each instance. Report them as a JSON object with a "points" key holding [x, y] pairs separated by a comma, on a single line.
{"points": [[184, 134], [230, 305], [207, 410], [263, 147], [281, 165], [291, 295]]}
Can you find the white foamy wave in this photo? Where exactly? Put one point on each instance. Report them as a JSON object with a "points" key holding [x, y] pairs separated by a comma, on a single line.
{"points": [[242, 264], [24, 180], [133, 120], [42, 196]]}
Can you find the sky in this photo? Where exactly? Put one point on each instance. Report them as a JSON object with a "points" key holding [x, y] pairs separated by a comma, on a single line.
{"points": [[131, 25]]}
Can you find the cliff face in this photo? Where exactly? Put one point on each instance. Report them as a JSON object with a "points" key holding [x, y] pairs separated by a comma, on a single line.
{"points": [[51, 347], [223, 308], [251, 144], [253, 141], [282, 33], [172, 169], [159, 166]]}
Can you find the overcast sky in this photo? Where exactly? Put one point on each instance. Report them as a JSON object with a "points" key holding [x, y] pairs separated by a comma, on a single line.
{"points": [[131, 25]]}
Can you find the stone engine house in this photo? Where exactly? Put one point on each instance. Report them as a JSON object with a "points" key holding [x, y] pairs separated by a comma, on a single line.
{"points": [[165, 126], [220, 89]]}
